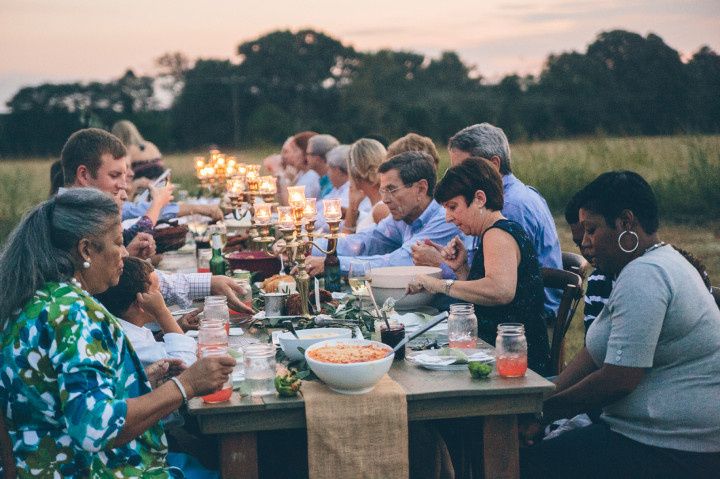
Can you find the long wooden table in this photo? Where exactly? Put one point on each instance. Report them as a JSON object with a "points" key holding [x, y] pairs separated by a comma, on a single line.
{"points": [[430, 395]]}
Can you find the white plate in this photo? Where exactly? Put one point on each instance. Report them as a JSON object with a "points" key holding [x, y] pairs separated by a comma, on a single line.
{"points": [[414, 321], [473, 355], [236, 332], [193, 333]]}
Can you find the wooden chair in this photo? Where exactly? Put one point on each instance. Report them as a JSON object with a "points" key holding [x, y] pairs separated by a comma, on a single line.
{"points": [[575, 263], [6, 454], [571, 285]]}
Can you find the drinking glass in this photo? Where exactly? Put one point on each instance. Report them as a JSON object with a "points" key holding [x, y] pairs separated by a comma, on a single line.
{"points": [[260, 369], [359, 277], [211, 334], [203, 260], [216, 308], [462, 326], [511, 350], [224, 393]]}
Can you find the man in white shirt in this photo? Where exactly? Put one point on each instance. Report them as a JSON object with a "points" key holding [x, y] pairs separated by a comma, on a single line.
{"points": [[136, 301]]}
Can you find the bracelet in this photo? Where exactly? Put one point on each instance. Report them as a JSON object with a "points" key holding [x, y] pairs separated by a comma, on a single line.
{"points": [[182, 390]]}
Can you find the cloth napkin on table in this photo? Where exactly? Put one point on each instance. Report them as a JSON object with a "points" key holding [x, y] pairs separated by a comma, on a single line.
{"points": [[357, 435]]}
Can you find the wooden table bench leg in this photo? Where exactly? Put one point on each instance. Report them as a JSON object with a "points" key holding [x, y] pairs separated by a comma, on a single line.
{"points": [[501, 447], [239, 456]]}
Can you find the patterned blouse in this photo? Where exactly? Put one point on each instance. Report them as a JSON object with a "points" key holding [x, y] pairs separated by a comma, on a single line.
{"points": [[525, 308], [67, 371]]}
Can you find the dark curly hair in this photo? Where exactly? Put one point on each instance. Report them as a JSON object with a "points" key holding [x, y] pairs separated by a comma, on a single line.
{"points": [[134, 279]]}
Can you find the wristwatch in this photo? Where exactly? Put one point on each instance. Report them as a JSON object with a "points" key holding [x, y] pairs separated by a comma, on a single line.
{"points": [[448, 285]]}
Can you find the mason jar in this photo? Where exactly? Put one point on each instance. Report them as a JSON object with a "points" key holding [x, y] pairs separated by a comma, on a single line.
{"points": [[260, 369], [511, 350], [216, 308], [462, 326]]}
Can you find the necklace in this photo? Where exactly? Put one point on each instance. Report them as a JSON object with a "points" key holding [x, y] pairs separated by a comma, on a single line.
{"points": [[654, 247], [75, 282]]}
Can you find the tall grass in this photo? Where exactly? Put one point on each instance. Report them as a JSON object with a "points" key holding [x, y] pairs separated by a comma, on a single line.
{"points": [[683, 170]]}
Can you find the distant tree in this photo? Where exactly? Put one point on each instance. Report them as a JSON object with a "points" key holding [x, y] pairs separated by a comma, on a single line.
{"points": [[704, 73], [172, 68]]}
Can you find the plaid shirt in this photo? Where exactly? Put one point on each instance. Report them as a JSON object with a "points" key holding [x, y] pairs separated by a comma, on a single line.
{"points": [[182, 289]]}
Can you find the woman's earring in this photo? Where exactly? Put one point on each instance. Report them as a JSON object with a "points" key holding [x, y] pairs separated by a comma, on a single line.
{"points": [[86, 264], [634, 235]]}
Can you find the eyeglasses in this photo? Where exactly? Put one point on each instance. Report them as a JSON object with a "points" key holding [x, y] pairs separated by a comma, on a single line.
{"points": [[390, 192]]}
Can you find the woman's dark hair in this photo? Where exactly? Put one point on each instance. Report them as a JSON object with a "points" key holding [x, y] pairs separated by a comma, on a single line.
{"points": [[615, 191], [572, 211], [39, 249], [57, 179], [134, 279], [469, 176]]}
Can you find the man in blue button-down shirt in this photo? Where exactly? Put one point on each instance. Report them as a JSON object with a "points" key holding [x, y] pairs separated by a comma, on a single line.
{"points": [[523, 204], [407, 183]]}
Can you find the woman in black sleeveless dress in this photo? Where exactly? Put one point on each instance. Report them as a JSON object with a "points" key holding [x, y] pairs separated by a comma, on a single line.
{"points": [[504, 280]]}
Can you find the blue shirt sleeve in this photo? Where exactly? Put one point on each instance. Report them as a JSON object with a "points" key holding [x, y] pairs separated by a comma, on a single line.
{"points": [[135, 210]]}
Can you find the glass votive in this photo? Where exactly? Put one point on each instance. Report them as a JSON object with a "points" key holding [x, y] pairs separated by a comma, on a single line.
{"points": [[332, 209]]}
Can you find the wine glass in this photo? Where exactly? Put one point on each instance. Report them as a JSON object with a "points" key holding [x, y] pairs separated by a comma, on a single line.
{"points": [[359, 277]]}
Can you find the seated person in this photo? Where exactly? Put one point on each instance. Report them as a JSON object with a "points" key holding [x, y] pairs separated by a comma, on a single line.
{"points": [[317, 150], [75, 398], [407, 182], [652, 356], [414, 142], [503, 281], [295, 155], [145, 157], [365, 208], [136, 301], [337, 161]]}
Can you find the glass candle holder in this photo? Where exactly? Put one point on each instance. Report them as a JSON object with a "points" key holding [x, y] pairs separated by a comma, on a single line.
{"points": [[285, 217], [332, 209], [263, 213], [296, 196], [310, 211]]}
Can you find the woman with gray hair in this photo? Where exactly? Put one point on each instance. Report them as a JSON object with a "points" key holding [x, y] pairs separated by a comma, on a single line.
{"points": [[73, 393], [337, 162], [317, 150]]}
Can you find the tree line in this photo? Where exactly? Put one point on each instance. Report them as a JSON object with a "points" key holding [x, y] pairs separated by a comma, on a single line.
{"points": [[623, 84]]}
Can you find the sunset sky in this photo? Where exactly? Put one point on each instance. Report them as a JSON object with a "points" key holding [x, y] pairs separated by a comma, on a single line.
{"points": [[71, 40]]}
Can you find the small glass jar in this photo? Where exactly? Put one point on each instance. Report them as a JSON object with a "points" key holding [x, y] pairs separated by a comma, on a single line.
{"points": [[462, 326], [203, 260], [246, 296], [260, 369], [225, 391], [211, 333], [511, 350], [216, 308]]}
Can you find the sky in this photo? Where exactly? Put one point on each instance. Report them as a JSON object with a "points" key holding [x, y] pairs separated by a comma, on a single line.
{"points": [[85, 40]]}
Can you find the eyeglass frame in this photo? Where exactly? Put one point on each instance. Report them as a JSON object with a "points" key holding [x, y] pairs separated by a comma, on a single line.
{"points": [[385, 193]]}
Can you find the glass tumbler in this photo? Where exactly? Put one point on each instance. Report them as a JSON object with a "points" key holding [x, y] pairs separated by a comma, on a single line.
{"points": [[462, 326], [260, 369], [203, 260], [511, 350], [211, 334], [216, 308], [225, 391]]}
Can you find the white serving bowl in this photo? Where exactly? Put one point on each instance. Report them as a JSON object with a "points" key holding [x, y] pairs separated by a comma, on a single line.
{"points": [[308, 337], [392, 281], [352, 378]]}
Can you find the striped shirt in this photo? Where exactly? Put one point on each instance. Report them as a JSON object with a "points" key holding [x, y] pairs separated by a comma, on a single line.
{"points": [[599, 287]]}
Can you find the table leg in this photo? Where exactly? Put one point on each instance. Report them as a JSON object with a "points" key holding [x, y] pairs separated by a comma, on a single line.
{"points": [[238, 455], [501, 447]]}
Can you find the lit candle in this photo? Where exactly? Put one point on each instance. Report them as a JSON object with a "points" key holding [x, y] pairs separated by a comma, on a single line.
{"points": [[235, 186], [285, 217], [262, 213], [242, 169], [199, 163], [268, 185], [310, 212], [296, 196], [332, 209]]}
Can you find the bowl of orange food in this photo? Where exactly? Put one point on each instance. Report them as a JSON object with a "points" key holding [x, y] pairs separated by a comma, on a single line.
{"points": [[350, 366]]}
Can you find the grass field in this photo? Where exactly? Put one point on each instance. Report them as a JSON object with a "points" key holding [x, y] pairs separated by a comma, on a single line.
{"points": [[684, 171]]}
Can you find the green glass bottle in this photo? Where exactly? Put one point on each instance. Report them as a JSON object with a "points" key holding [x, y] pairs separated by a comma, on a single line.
{"points": [[217, 262]]}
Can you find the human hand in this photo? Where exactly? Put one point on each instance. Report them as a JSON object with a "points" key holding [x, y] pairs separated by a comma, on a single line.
{"points": [[142, 246], [419, 284], [426, 253], [190, 321], [314, 265], [529, 430], [455, 254], [355, 195], [162, 195], [158, 372], [213, 211], [226, 286], [207, 375], [152, 302]]}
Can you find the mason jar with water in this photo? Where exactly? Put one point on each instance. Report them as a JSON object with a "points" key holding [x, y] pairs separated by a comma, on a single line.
{"points": [[462, 326], [260, 369]]}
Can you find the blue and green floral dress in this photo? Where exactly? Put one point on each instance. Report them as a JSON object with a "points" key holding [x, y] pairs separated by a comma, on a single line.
{"points": [[67, 371]]}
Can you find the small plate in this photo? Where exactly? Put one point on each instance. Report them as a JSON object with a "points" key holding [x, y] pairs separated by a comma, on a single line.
{"points": [[261, 315], [473, 355], [236, 332], [193, 333]]}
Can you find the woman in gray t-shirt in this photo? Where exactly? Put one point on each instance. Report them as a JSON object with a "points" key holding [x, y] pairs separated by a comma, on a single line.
{"points": [[652, 357]]}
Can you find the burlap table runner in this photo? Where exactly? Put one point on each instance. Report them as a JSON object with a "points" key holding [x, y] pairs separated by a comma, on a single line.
{"points": [[364, 436]]}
